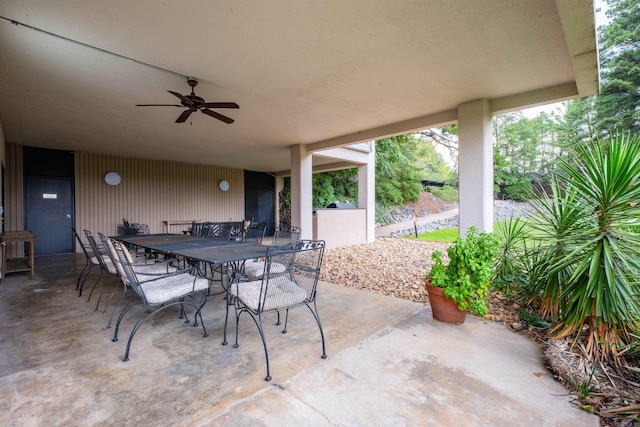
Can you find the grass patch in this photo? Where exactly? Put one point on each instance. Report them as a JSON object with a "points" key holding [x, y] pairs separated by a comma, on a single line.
{"points": [[447, 235], [446, 193]]}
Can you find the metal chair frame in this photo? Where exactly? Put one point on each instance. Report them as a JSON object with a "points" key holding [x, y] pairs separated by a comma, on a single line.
{"points": [[179, 284], [286, 288]]}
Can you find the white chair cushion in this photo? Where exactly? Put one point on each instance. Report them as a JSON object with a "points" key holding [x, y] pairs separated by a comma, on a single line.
{"points": [[282, 292], [254, 270], [172, 287]]}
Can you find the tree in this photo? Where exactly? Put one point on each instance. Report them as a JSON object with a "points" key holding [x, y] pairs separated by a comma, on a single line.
{"points": [[339, 185], [397, 177], [618, 105]]}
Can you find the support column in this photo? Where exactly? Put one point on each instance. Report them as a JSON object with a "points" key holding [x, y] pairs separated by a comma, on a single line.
{"points": [[301, 187], [475, 166], [367, 192]]}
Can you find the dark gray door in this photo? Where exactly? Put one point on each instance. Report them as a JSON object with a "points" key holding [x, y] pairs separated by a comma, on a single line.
{"points": [[49, 213], [258, 198]]}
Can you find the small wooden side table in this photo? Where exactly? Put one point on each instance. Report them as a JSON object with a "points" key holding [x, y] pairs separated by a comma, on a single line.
{"points": [[17, 264]]}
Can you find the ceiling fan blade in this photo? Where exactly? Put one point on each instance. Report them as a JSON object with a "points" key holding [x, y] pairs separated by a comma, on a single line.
{"points": [[183, 98], [218, 116], [159, 105], [221, 105], [184, 116]]}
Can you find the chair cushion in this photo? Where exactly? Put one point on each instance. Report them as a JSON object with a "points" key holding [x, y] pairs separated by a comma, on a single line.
{"points": [[254, 270], [281, 293], [170, 288]]}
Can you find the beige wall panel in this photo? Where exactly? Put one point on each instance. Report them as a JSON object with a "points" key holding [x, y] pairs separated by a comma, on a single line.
{"points": [[14, 199], [151, 192]]}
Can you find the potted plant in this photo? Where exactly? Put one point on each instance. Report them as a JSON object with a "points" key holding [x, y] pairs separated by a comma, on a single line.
{"points": [[462, 284]]}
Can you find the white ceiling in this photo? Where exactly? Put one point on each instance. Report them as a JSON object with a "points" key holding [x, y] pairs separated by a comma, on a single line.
{"points": [[328, 72]]}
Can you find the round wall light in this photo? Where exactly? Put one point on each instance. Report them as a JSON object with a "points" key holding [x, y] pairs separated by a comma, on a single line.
{"points": [[223, 185], [112, 178]]}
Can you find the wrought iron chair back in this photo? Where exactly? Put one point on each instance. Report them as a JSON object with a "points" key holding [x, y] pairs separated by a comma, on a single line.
{"points": [[90, 262], [255, 234], [289, 280], [286, 233], [106, 266]]}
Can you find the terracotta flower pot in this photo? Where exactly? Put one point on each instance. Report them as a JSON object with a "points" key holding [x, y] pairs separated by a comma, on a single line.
{"points": [[443, 308]]}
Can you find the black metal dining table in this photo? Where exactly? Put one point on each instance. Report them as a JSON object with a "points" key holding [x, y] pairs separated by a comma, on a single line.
{"points": [[228, 253], [203, 249]]}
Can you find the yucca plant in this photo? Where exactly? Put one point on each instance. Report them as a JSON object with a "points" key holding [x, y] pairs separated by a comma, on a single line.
{"points": [[510, 268], [558, 223], [595, 252]]}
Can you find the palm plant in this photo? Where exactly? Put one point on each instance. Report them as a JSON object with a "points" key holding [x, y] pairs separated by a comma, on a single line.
{"points": [[592, 231]]}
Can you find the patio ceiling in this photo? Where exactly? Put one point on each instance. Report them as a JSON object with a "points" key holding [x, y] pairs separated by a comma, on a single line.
{"points": [[325, 73]]}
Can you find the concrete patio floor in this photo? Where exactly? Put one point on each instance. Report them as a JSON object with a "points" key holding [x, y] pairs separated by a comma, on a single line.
{"points": [[389, 363]]}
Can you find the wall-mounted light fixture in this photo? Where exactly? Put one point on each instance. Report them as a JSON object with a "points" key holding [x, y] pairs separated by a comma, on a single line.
{"points": [[112, 178], [223, 185]]}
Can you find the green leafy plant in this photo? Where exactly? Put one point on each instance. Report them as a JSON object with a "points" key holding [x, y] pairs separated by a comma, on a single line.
{"points": [[591, 247], [510, 271], [467, 276], [583, 386]]}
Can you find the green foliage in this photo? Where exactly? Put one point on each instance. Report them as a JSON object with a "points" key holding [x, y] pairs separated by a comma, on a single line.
{"points": [[583, 386], [515, 186], [339, 185], [589, 254], [397, 178], [510, 274], [446, 193], [467, 276], [524, 150], [618, 105]]}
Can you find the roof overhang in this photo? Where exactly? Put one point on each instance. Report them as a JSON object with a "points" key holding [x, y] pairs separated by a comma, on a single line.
{"points": [[324, 74]]}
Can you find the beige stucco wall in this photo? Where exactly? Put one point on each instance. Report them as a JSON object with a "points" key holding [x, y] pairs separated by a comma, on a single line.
{"points": [[340, 227], [152, 191]]}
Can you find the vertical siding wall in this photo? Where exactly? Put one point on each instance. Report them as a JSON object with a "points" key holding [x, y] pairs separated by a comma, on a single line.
{"points": [[152, 191]]}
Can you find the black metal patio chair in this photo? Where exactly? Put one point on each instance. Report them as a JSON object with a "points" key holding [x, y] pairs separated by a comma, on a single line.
{"points": [[180, 288], [147, 267], [286, 233], [255, 233], [90, 262], [281, 290], [106, 266]]}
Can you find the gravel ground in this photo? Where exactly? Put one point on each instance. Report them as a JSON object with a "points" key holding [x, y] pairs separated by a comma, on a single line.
{"points": [[389, 266], [396, 267]]}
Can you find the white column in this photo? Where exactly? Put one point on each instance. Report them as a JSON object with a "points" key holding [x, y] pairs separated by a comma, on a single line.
{"points": [[301, 187], [475, 166], [367, 192]]}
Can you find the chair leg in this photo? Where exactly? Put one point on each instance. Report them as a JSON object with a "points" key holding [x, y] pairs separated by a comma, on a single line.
{"points": [[139, 323], [264, 344], [95, 284], [124, 292], [258, 323], [286, 320], [120, 317], [113, 292], [104, 288], [85, 270], [80, 285], [314, 311]]}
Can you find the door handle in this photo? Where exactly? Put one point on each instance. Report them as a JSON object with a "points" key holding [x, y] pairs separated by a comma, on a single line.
{"points": [[69, 216]]}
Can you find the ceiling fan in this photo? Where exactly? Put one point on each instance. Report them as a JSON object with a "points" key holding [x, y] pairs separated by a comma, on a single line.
{"points": [[195, 103]]}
